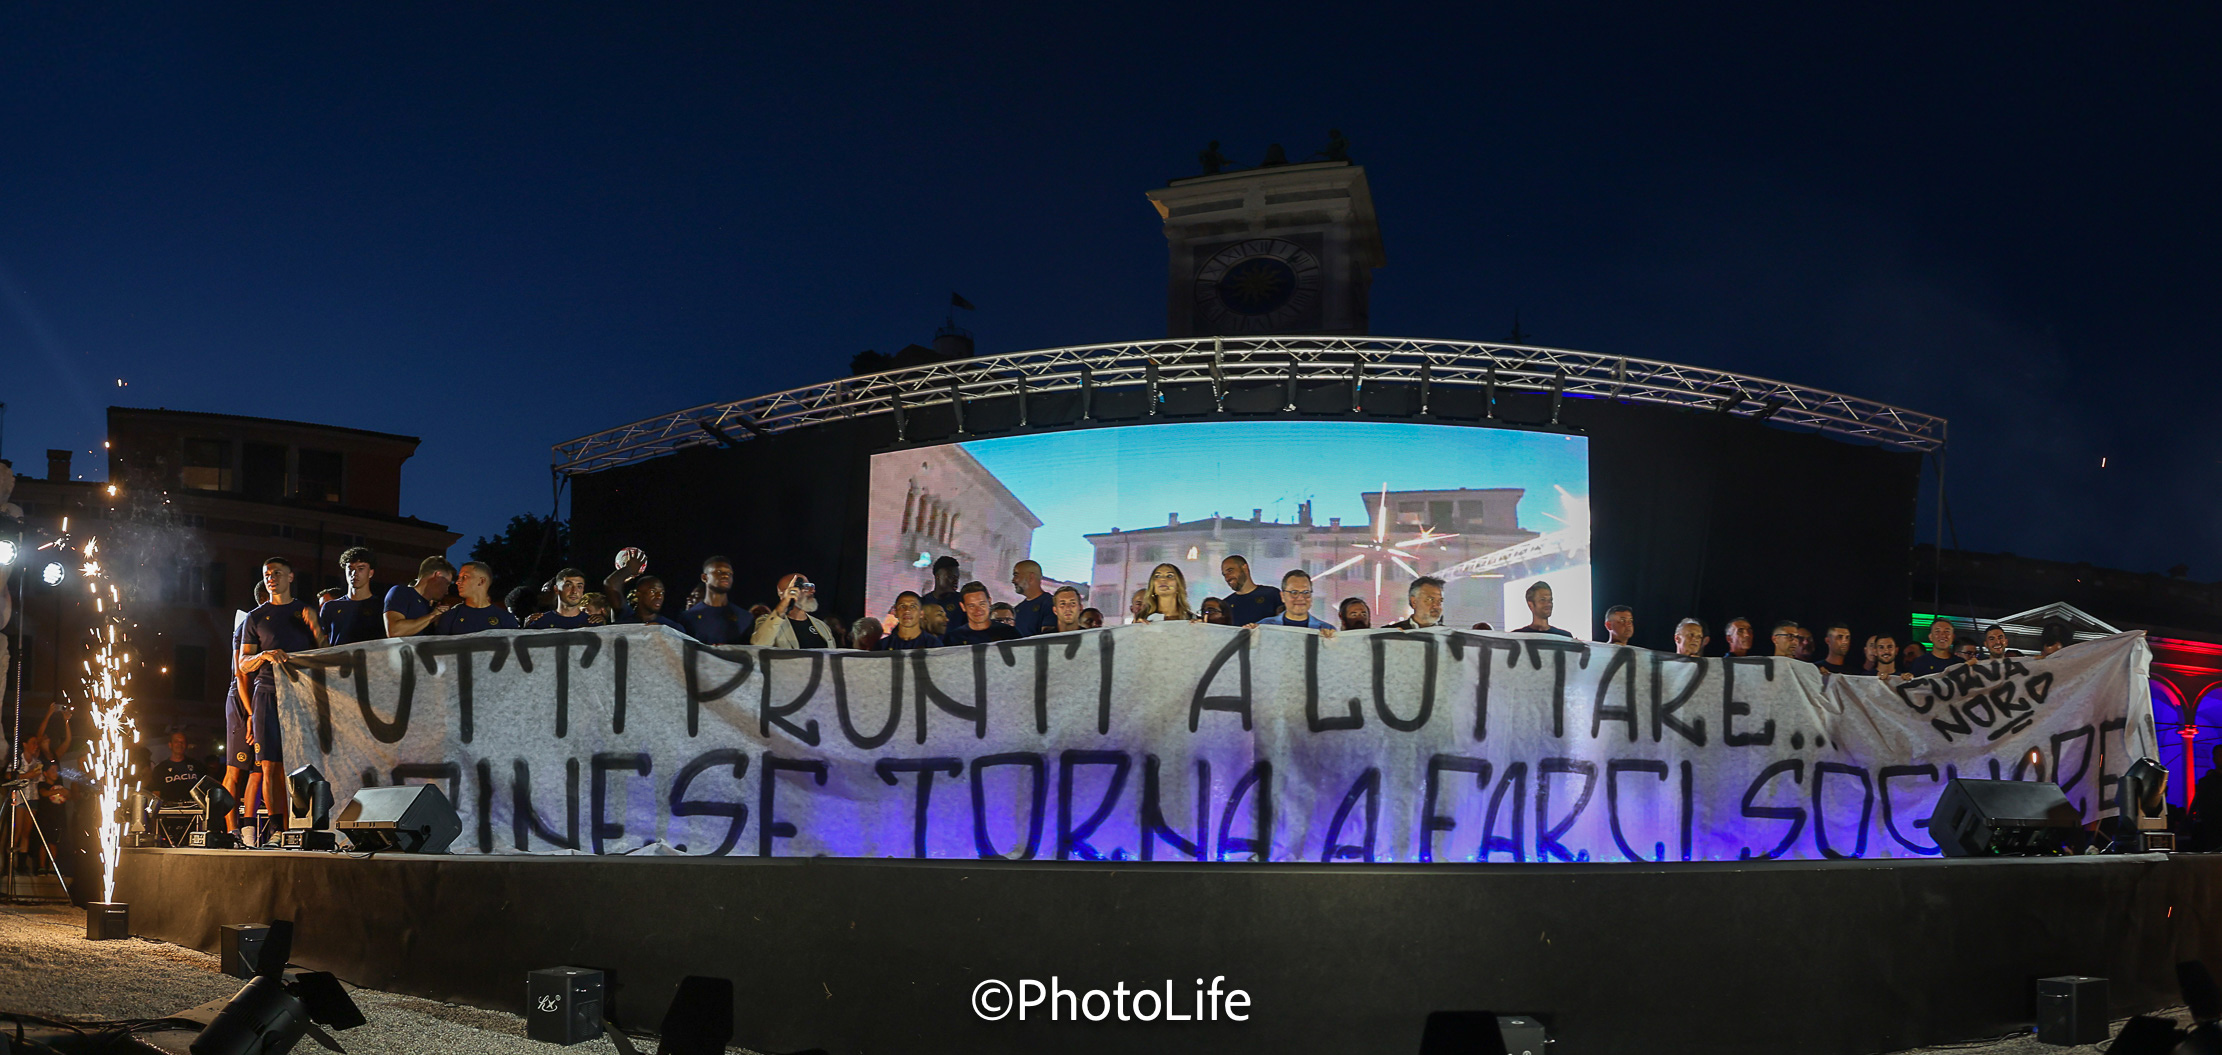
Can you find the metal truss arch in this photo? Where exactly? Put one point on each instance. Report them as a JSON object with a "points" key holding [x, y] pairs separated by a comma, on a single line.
{"points": [[1226, 362]]}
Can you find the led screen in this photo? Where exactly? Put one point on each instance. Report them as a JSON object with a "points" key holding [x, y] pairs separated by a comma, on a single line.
{"points": [[1365, 507]]}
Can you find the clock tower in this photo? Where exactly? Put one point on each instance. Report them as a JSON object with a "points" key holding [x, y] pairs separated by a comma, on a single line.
{"points": [[1275, 249]]}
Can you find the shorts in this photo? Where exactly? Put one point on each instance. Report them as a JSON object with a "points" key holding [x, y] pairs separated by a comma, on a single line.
{"points": [[238, 753], [269, 745]]}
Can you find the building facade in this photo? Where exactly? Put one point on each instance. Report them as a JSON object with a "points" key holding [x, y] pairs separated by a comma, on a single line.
{"points": [[192, 505], [1423, 533]]}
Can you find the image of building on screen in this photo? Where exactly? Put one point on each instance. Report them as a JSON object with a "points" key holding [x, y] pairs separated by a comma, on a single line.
{"points": [[940, 501], [1424, 533]]}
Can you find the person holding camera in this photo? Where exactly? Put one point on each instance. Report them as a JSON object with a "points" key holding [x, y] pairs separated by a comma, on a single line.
{"points": [[790, 623]]}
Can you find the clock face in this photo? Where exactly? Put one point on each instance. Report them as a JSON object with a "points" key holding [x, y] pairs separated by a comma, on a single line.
{"points": [[1257, 286]]}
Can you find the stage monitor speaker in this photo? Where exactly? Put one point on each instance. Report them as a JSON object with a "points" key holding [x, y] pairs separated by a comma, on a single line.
{"points": [[1482, 1033], [700, 1020], [237, 947], [563, 1005], [412, 818], [2071, 1010], [2004, 818]]}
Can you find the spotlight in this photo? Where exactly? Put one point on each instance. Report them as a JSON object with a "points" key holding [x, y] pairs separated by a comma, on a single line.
{"points": [[52, 576], [700, 1019], [2141, 809], [216, 803], [7, 551], [308, 822], [269, 1014], [1482, 1033]]}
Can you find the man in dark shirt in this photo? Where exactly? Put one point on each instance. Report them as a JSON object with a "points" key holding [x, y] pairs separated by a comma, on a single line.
{"points": [[173, 779], [1249, 602], [1539, 611], [1355, 614], [1064, 611], [1994, 642], [1838, 637], [1032, 609], [977, 628], [1002, 612], [1785, 639], [358, 615], [475, 581], [411, 609], [276, 627], [1938, 657], [1426, 598], [1620, 624], [908, 634], [1690, 638], [570, 613], [1737, 633], [945, 592], [716, 620]]}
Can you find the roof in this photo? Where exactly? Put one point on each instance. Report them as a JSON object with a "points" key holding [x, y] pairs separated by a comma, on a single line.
{"points": [[203, 415]]}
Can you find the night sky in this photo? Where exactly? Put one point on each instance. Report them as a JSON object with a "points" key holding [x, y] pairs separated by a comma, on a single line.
{"points": [[501, 227]]}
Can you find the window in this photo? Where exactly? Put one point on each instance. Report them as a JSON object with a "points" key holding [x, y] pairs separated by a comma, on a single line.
{"points": [[1277, 548], [1151, 554], [1410, 512], [262, 471], [319, 476], [187, 585], [189, 673], [207, 465], [1438, 514], [1107, 555]]}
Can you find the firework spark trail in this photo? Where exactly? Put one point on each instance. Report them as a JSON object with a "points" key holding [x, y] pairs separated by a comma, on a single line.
{"points": [[107, 684]]}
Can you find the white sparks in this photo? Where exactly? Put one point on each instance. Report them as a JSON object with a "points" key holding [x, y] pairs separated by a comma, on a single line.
{"points": [[107, 683]]}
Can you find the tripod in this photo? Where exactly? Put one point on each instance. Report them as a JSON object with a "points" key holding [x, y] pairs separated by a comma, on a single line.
{"points": [[20, 793]]}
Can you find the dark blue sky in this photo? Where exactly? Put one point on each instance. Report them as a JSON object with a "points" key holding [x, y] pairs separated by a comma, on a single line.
{"points": [[500, 227]]}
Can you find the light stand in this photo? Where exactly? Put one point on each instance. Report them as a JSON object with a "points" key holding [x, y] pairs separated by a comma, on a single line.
{"points": [[19, 800]]}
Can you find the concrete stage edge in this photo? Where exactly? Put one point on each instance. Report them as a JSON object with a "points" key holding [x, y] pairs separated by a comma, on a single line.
{"points": [[883, 956]]}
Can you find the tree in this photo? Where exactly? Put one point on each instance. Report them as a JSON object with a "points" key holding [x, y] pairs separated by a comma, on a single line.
{"points": [[527, 553]]}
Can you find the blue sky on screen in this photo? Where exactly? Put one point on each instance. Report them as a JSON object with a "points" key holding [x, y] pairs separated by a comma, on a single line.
{"points": [[1091, 480]]}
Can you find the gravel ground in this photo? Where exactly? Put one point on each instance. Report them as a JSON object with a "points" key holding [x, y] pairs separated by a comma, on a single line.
{"points": [[47, 968]]}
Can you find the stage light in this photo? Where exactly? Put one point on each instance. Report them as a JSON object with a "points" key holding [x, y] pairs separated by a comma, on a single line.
{"points": [[308, 822], [714, 432], [1087, 392], [2141, 809], [753, 428], [2146, 1035], [270, 1014], [902, 419], [52, 576], [1427, 383], [1558, 393], [1022, 384], [7, 551], [956, 405], [216, 803], [1767, 410]]}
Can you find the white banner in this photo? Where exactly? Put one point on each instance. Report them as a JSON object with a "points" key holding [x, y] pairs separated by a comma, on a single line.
{"points": [[1196, 742]]}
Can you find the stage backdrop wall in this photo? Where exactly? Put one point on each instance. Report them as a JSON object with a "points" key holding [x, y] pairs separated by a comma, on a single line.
{"points": [[1692, 514], [1188, 741]]}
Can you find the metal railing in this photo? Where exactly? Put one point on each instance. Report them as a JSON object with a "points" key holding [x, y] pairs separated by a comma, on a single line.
{"points": [[1224, 362]]}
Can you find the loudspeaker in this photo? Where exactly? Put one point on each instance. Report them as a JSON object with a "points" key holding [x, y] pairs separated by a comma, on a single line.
{"points": [[413, 818], [700, 1020], [2001, 818], [2071, 1009], [237, 947], [563, 1005]]}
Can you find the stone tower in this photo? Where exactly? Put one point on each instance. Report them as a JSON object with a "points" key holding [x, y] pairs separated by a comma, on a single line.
{"points": [[1276, 249]]}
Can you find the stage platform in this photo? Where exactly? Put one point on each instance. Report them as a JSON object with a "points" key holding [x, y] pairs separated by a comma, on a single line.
{"points": [[850, 955]]}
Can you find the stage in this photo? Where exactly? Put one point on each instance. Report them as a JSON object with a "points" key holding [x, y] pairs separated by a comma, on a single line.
{"points": [[866, 955]]}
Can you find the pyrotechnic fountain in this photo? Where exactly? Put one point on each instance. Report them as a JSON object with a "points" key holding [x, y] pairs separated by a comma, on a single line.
{"points": [[107, 685]]}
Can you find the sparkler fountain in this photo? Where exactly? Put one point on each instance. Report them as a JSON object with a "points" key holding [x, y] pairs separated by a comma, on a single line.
{"points": [[107, 685]]}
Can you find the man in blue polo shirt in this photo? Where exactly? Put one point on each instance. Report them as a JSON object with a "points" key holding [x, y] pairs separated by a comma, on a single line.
{"points": [[716, 620], [359, 616], [1296, 597], [1032, 609], [411, 609], [276, 627], [570, 610], [475, 581]]}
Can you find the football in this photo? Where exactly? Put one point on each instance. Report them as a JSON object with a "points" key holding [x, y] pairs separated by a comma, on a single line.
{"points": [[631, 555]]}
